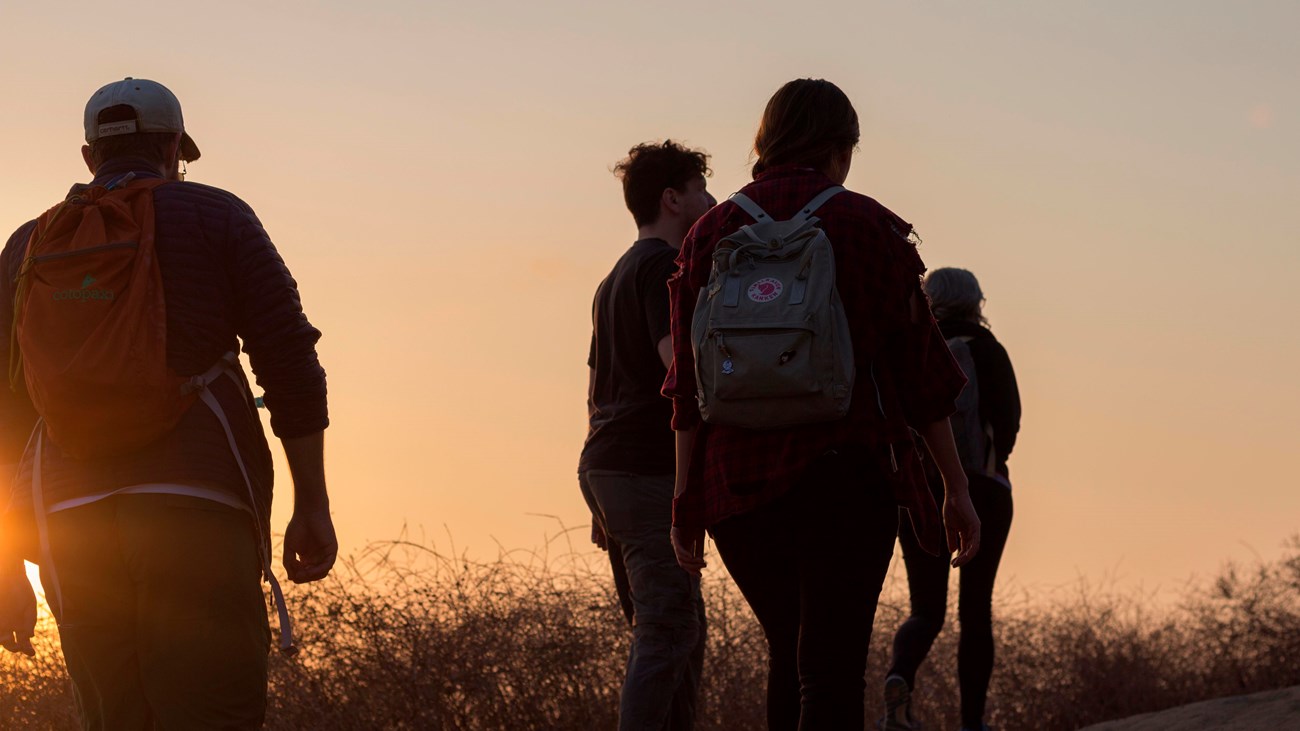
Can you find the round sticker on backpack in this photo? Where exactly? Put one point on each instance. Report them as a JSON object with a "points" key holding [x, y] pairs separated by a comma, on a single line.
{"points": [[766, 289]]}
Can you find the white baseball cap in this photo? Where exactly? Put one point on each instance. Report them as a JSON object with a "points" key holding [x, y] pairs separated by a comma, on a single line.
{"points": [[156, 110]]}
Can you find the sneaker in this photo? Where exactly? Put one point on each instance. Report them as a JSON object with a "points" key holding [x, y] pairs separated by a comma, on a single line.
{"points": [[898, 706]]}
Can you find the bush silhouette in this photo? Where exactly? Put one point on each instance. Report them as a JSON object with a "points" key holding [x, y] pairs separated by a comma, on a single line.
{"points": [[404, 637]]}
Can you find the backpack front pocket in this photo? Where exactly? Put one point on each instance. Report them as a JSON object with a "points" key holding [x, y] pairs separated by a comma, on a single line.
{"points": [[767, 362]]}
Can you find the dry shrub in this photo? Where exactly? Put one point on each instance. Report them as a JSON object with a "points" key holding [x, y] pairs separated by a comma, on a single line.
{"points": [[1098, 656], [35, 692], [404, 637]]}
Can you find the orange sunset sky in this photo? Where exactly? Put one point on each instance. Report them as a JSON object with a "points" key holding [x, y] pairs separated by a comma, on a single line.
{"points": [[1122, 177]]}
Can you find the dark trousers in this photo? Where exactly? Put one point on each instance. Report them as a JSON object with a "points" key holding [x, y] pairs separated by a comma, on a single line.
{"points": [[811, 565], [927, 580], [163, 621]]}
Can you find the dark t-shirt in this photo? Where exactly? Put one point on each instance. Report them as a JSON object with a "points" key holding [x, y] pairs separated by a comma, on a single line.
{"points": [[629, 420]]}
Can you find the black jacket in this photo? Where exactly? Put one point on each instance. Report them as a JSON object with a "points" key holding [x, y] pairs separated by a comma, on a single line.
{"points": [[999, 397]]}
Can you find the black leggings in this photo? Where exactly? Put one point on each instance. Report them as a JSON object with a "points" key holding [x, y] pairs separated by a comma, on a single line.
{"points": [[927, 579], [811, 565]]}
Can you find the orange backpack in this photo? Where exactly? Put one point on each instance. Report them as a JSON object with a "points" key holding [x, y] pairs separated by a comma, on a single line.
{"points": [[90, 324], [90, 340]]}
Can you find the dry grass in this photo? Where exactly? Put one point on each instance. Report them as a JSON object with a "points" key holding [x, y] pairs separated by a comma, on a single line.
{"points": [[404, 637]]}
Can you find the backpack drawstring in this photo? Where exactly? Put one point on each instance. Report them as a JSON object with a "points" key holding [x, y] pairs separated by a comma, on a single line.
{"points": [[200, 384]]}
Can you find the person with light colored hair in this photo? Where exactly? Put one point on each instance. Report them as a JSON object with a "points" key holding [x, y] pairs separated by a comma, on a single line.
{"points": [[985, 425]]}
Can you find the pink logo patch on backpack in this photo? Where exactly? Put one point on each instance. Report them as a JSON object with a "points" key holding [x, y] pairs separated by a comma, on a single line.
{"points": [[766, 289]]}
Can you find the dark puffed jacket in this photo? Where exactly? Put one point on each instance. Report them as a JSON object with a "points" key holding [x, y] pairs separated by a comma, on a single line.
{"points": [[224, 284]]}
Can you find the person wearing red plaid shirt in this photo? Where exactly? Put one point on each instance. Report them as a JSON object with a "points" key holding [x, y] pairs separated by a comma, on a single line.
{"points": [[805, 517]]}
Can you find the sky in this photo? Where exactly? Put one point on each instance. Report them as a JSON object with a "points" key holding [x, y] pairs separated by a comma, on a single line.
{"points": [[1120, 176]]}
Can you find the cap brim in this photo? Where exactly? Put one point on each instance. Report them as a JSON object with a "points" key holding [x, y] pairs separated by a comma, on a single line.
{"points": [[189, 151]]}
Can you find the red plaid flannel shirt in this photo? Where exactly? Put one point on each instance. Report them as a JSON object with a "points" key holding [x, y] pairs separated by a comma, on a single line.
{"points": [[878, 272]]}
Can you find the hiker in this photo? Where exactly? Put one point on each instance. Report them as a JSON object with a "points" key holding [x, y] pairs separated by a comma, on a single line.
{"points": [[986, 424], [626, 468], [805, 454], [144, 492]]}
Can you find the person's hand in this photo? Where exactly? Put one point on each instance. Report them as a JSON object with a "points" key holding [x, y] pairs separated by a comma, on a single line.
{"points": [[310, 546], [598, 536], [963, 526], [688, 544], [17, 608]]}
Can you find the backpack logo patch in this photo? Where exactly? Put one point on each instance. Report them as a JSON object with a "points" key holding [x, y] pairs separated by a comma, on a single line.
{"points": [[84, 294], [766, 289]]}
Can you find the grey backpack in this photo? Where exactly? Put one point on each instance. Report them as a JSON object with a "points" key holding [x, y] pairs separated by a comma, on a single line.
{"points": [[973, 436], [771, 341]]}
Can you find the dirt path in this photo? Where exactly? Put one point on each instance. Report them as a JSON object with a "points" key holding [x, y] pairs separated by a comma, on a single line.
{"points": [[1274, 710]]}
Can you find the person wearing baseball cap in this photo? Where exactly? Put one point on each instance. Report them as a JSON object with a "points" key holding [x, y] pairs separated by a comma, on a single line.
{"points": [[155, 110], [153, 557]]}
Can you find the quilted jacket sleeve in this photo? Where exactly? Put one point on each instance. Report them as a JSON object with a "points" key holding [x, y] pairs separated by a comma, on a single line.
{"points": [[279, 341]]}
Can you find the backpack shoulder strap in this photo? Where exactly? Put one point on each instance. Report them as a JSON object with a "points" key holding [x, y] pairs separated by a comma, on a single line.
{"points": [[818, 202], [749, 206], [759, 215]]}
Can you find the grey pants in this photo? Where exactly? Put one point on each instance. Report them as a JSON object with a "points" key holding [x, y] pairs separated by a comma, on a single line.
{"points": [[668, 625]]}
